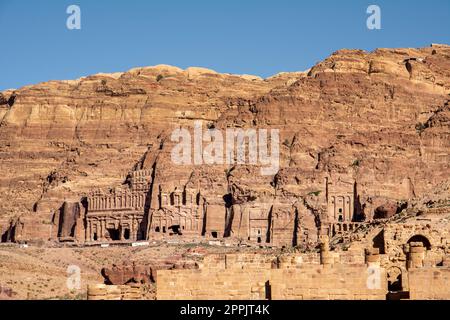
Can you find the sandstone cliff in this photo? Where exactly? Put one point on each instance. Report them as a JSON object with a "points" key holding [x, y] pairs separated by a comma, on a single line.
{"points": [[380, 120]]}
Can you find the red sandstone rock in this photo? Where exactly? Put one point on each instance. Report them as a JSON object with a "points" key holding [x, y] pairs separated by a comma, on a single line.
{"points": [[357, 126], [127, 273], [386, 211]]}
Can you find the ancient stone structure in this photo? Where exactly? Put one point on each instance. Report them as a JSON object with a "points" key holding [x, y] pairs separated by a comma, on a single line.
{"points": [[324, 276], [113, 292], [342, 217], [119, 215], [180, 212], [132, 212], [404, 267], [349, 120]]}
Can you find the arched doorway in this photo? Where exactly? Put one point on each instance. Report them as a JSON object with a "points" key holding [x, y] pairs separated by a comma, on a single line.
{"points": [[420, 238], [397, 284], [394, 277]]}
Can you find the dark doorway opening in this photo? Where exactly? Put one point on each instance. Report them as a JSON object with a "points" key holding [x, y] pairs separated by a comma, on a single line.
{"points": [[400, 295], [72, 231], [114, 234], [378, 242], [394, 277], [164, 229], [176, 230], [157, 229], [395, 285], [259, 240], [214, 234], [95, 236], [268, 290], [5, 236], [296, 229], [126, 234], [12, 234]]}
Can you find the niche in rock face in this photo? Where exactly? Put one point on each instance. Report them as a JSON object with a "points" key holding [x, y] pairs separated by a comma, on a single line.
{"points": [[69, 214]]}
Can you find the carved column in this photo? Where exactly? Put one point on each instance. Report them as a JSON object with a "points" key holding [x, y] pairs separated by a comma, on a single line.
{"points": [[102, 229], [121, 232], [326, 258], [133, 233], [416, 255], [89, 236]]}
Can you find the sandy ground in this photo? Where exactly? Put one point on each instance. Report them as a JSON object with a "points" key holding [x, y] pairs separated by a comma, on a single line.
{"points": [[42, 273]]}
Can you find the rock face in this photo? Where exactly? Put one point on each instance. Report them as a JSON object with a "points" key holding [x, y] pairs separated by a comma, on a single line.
{"points": [[6, 293], [127, 273], [69, 220], [386, 211], [357, 131], [131, 272]]}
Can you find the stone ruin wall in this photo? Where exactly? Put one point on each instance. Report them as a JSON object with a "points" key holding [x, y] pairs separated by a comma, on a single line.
{"points": [[430, 283], [259, 277], [324, 276], [118, 292], [422, 272]]}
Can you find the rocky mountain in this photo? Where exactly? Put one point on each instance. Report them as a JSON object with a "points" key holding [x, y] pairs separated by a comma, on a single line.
{"points": [[379, 121]]}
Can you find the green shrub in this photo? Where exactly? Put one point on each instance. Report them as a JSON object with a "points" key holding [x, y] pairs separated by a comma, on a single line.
{"points": [[356, 163], [420, 127]]}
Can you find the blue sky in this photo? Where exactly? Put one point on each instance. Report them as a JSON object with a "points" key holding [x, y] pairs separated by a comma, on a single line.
{"points": [[258, 37]]}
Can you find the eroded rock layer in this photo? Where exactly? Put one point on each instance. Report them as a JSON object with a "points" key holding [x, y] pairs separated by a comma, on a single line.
{"points": [[363, 136]]}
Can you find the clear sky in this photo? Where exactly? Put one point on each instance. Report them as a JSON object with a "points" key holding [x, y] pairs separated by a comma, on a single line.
{"points": [[261, 37]]}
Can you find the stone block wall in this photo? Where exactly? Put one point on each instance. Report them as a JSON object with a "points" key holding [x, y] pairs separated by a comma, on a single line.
{"points": [[112, 292], [429, 283], [259, 277], [208, 284], [339, 282], [238, 261], [314, 282]]}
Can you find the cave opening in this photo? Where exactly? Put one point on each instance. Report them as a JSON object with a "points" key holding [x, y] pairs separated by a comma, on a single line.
{"points": [[4, 237]]}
